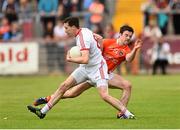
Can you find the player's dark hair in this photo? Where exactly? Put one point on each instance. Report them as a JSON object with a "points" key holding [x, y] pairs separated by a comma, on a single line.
{"points": [[126, 28], [72, 21]]}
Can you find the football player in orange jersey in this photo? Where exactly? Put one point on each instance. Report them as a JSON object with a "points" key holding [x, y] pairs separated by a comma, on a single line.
{"points": [[114, 51]]}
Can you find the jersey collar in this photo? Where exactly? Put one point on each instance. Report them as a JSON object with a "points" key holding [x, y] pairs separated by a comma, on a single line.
{"points": [[78, 31], [119, 44]]}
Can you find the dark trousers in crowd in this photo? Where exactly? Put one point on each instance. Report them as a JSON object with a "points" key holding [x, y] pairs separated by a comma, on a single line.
{"points": [[46, 19], [162, 64], [176, 23]]}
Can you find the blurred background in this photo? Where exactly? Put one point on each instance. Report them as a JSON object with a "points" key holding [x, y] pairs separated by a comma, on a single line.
{"points": [[33, 41]]}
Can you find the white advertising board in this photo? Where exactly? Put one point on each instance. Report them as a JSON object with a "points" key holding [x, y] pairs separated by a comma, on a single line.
{"points": [[19, 58]]}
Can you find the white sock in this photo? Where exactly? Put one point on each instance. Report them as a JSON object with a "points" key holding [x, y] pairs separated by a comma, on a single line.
{"points": [[45, 109], [128, 113]]}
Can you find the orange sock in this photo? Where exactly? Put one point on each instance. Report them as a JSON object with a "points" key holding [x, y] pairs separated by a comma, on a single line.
{"points": [[48, 98]]}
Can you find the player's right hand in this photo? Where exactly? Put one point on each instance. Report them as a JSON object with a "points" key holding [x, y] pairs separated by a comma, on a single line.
{"points": [[68, 57]]}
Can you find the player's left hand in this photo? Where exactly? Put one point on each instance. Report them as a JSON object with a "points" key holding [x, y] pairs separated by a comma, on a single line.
{"points": [[138, 44]]}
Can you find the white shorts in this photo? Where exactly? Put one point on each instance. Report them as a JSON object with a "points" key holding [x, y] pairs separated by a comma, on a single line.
{"points": [[111, 75], [97, 75]]}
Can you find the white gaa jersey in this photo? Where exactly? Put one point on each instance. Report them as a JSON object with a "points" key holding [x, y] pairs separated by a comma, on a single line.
{"points": [[86, 41]]}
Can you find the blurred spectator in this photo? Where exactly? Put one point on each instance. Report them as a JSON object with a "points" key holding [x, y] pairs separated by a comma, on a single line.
{"points": [[86, 5], [25, 11], [26, 18], [51, 46], [49, 30], [48, 10], [76, 5], [1, 4], [14, 35], [47, 7], [158, 10], [96, 9], [151, 33], [59, 33], [152, 30], [4, 28], [175, 6], [9, 4], [109, 31], [10, 9], [149, 9], [61, 12], [109, 9], [61, 40], [163, 10], [159, 55], [96, 28], [65, 8]]}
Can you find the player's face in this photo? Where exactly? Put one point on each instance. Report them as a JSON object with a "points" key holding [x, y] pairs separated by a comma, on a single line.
{"points": [[126, 37], [69, 30]]}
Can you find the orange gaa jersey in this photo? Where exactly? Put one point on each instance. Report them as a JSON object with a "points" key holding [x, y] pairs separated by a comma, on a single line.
{"points": [[114, 53]]}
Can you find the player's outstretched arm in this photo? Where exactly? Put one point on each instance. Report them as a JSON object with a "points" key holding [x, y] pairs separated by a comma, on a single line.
{"points": [[130, 56]]}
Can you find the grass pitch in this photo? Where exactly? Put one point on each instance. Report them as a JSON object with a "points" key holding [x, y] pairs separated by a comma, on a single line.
{"points": [[155, 101]]}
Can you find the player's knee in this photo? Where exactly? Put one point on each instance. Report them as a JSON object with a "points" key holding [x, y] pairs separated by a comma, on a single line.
{"points": [[104, 96], [62, 88], [127, 85]]}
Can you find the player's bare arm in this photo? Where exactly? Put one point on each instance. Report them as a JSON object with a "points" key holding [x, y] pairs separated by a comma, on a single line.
{"points": [[83, 59], [137, 45]]}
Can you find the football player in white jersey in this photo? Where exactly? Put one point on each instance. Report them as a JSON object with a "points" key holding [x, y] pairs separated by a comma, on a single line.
{"points": [[92, 67]]}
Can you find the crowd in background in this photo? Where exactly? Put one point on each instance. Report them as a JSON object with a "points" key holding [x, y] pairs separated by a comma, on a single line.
{"points": [[17, 15], [21, 13], [161, 17], [161, 11]]}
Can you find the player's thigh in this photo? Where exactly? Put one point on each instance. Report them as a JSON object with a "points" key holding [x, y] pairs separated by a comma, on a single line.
{"points": [[80, 87], [69, 82], [79, 75], [118, 82]]}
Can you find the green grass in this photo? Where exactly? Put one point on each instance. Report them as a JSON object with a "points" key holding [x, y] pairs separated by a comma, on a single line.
{"points": [[155, 101]]}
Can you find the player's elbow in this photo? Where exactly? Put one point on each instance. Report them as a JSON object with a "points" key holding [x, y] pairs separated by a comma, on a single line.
{"points": [[85, 61], [128, 59]]}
